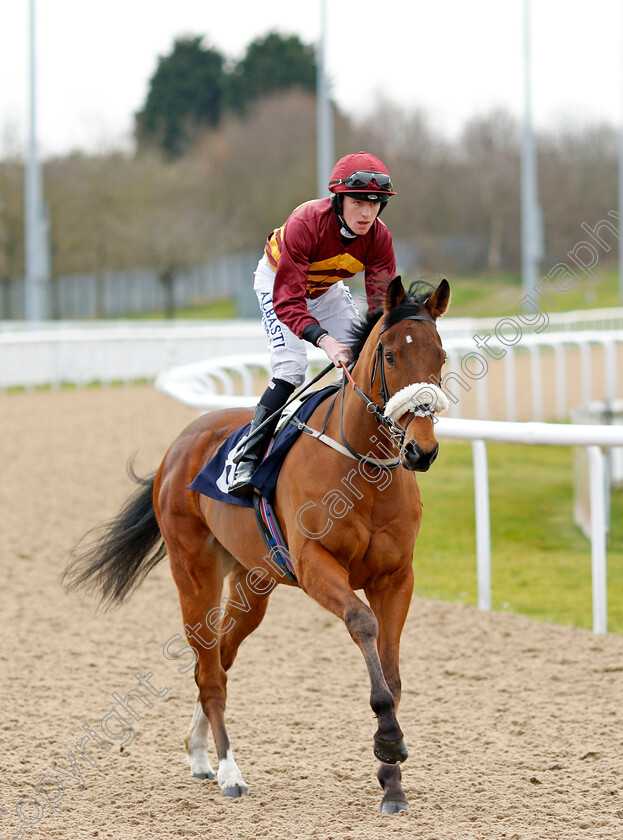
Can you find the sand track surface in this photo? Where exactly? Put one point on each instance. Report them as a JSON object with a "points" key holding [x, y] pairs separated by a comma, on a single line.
{"points": [[514, 727]]}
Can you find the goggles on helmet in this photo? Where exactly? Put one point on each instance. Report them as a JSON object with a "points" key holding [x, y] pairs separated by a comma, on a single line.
{"points": [[363, 178]]}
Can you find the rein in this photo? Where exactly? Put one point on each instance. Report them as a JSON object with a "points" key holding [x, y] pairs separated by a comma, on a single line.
{"points": [[380, 418], [292, 399], [397, 432]]}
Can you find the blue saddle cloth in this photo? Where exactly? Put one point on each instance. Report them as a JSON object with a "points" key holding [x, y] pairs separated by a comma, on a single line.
{"points": [[213, 479]]}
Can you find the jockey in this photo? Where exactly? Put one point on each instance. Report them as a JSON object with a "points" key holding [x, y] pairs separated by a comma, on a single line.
{"points": [[300, 288]]}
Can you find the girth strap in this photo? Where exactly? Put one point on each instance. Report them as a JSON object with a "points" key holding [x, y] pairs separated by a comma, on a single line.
{"points": [[273, 537]]}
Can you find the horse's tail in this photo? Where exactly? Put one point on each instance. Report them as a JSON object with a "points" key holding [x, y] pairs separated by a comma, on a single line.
{"points": [[122, 551]]}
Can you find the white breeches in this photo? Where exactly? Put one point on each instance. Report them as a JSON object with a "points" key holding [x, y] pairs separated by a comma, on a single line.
{"points": [[335, 311]]}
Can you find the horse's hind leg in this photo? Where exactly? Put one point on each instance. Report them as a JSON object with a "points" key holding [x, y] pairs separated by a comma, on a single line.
{"points": [[248, 607], [199, 566]]}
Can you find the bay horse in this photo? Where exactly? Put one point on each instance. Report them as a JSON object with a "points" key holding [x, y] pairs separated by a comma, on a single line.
{"points": [[350, 519]]}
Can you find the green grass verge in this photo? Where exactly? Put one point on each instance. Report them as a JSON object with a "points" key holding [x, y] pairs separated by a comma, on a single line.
{"points": [[213, 310], [540, 559], [488, 296], [484, 297], [71, 386]]}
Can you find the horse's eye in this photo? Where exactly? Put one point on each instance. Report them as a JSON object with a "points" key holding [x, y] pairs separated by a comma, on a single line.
{"points": [[390, 358]]}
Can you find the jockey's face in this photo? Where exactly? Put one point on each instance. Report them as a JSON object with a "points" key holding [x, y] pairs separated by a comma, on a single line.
{"points": [[360, 215]]}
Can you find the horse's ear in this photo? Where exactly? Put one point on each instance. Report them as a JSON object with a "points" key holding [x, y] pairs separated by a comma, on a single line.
{"points": [[438, 302], [395, 294]]}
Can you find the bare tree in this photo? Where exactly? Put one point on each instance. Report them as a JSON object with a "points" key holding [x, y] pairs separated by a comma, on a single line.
{"points": [[490, 145], [170, 220], [258, 168], [11, 230], [577, 182]]}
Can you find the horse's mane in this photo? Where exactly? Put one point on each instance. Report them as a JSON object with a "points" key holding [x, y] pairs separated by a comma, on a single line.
{"points": [[417, 294]]}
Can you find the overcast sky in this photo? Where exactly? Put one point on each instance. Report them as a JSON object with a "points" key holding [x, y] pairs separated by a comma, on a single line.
{"points": [[454, 59]]}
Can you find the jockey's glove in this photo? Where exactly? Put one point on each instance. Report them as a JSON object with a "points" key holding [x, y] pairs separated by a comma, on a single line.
{"points": [[338, 353]]}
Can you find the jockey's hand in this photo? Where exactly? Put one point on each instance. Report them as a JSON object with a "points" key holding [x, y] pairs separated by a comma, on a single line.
{"points": [[338, 353]]}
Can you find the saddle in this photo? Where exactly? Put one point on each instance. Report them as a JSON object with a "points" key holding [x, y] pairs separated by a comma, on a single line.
{"points": [[213, 479]]}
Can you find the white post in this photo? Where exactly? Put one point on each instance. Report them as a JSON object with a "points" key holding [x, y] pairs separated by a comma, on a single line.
{"points": [[598, 538], [610, 370], [537, 384], [510, 384], [561, 380], [454, 365], [482, 398], [483, 524], [586, 366]]}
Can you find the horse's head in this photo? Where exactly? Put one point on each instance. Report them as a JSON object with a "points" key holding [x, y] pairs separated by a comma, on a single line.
{"points": [[405, 358]]}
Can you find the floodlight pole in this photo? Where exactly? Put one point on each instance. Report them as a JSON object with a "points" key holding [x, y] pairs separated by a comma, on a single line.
{"points": [[621, 177], [324, 114], [34, 223], [531, 234]]}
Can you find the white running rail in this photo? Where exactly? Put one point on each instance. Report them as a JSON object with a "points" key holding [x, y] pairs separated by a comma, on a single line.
{"points": [[226, 382], [79, 353], [593, 438], [108, 352], [462, 375], [197, 384]]}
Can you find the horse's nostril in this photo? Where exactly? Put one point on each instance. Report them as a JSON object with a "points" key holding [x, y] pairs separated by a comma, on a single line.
{"points": [[416, 459], [414, 453]]}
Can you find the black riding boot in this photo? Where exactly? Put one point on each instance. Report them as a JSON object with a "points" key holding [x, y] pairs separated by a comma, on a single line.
{"points": [[273, 398], [252, 453]]}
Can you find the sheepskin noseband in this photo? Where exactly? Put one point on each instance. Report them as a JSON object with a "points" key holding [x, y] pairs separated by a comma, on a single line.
{"points": [[420, 399]]}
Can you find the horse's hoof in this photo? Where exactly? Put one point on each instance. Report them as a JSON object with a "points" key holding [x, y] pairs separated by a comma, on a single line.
{"points": [[390, 807], [391, 752], [203, 776], [235, 791]]}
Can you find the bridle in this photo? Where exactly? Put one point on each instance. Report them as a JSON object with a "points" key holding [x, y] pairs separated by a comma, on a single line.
{"points": [[397, 432], [379, 358]]}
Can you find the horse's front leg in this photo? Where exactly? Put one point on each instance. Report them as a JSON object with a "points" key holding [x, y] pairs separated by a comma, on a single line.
{"points": [[326, 581], [390, 604]]}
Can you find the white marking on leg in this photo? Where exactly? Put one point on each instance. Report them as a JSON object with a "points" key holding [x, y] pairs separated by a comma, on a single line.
{"points": [[196, 743], [229, 775]]}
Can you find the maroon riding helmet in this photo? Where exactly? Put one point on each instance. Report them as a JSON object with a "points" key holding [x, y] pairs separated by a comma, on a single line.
{"points": [[361, 176]]}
